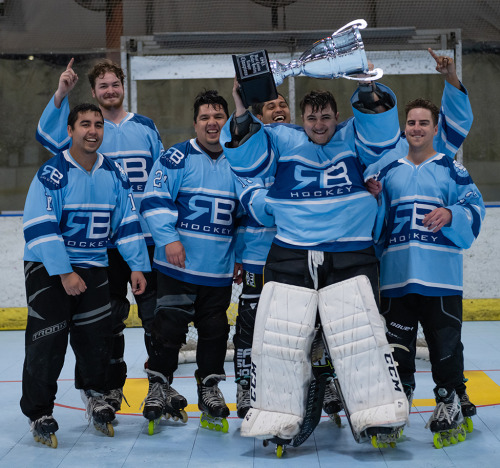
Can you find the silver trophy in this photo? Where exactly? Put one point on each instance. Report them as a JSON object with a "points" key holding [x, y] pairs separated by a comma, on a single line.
{"points": [[342, 55]]}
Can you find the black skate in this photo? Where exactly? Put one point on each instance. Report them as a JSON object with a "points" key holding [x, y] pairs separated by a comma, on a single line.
{"points": [[447, 420], [115, 398], [243, 398], [211, 403], [174, 405], [468, 410], [44, 429], [98, 411], [332, 405]]}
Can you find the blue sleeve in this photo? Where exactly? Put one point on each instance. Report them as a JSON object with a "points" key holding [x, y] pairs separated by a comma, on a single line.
{"points": [[468, 211], [158, 206], [254, 157], [375, 133], [52, 130], [252, 194], [44, 241], [455, 120]]}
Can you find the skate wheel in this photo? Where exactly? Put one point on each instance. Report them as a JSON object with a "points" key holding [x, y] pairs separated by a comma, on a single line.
{"points": [[111, 431], [335, 417], [453, 440], [53, 441], [211, 426], [184, 416], [469, 425], [279, 451], [438, 441], [374, 441], [225, 426], [203, 422], [151, 428], [461, 435], [446, 442], [392, 445]]}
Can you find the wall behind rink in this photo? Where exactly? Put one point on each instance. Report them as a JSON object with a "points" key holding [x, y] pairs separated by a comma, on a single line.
{"points": [[481, 261]]}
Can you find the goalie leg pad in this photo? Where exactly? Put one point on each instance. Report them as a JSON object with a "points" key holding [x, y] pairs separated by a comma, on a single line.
{"points": [[281, 365], [361, 355]]}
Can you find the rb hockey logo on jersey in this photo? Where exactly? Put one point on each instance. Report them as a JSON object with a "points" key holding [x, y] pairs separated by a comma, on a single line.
{"points": [[52, 176]]}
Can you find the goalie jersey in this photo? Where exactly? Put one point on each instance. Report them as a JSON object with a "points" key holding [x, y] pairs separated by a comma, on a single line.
{"points": [[70, 214], [134, 143], [191, 198], [414, 259]]}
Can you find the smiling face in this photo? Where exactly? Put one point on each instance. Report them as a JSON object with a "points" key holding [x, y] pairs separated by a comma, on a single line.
{"points": [[208, 124], [319, 124], [420, 129], [276, 111], [108, 91], [87, 132]]}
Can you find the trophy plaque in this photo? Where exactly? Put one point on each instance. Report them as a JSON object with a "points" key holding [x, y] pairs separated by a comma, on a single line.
{"points": [[253, 73]]}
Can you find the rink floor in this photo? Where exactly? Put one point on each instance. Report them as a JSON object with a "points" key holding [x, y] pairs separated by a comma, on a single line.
{"points": [[187, 445]]}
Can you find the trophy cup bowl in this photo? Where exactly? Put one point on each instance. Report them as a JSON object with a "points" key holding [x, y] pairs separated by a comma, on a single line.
{"points": [[342, 55]]}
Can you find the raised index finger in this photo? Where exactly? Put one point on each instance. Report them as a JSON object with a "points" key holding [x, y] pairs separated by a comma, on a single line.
{"points": [[70, 64], [433, 54]]}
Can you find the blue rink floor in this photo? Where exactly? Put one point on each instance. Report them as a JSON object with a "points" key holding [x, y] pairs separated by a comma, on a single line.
{"points": [[188, 445]]}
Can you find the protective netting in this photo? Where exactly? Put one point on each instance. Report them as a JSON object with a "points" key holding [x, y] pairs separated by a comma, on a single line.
{"points": [[85, 26]]}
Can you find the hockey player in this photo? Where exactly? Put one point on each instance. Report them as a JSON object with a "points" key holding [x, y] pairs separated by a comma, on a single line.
{"points": [[190, 205], [432, 211], [257, 241], [133, 141], [77, 200], [325, 222], [324, 218]]}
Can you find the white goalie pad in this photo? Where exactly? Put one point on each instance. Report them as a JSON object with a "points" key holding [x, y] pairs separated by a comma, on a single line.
{"points": [[361, 355], [281, 364]]}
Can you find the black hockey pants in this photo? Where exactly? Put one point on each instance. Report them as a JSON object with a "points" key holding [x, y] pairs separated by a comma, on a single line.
{"points": [[119, 278], [180, 303], [52, 316]]}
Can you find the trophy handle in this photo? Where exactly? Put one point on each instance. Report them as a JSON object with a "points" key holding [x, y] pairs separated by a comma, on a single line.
{"points": [[372, 75], [360, 23]]}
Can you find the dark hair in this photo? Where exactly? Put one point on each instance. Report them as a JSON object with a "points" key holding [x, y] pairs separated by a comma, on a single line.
{"points": [[211, 98], [318, 100], [423, 104], [81, 109], [101, 68], [257, 107]]}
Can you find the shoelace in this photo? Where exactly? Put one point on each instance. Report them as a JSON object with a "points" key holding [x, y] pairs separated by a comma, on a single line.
{"points": [[440, 413], [118, 395], [96, 404], [156, 395], [39, 422], [243, 397], [212, 395]]}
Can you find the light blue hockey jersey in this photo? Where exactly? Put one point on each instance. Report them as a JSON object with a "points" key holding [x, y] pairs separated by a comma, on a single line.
{"points": [[191, 198], [257, 240], [71, 213], [416, 260], [318, 200], [455, 121], [134, 143]]}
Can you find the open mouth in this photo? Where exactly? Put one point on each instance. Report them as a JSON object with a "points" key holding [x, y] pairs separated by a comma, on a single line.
{"points": [[279, 118]]}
